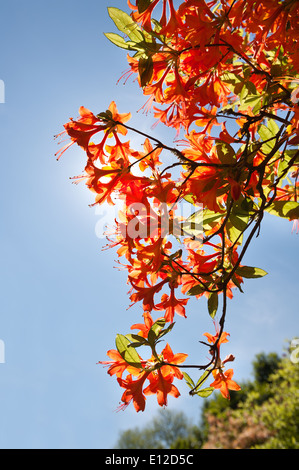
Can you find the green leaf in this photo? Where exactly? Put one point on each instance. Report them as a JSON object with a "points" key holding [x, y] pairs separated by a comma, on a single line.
{"points": [[213, 304], [125, 24], [266, 133], [290, 154], [188, 379], [136, 341], [205, 392], [155, 330], [237, 284], [248, 96], [192, 226], [202, 392], [210, 219], [238, 219], [233, 233], [237, 223], [145, 69], [254, 101], [142, 5], [158, 326], [128, 353], [167, 330], [273, 126], [250, 272], [285, 209], [190, 198], [118, 41], [225, 152], [234, 82], [202, 378], [196, 290]]}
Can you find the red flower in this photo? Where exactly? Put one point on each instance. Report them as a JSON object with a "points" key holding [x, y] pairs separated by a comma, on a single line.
{"points": [[212, 339], [172, 305], [224, 383], [162, 386], [171, 358], [118, 365], [146, 294], [81, 130], [144, 327], [133, 391]]}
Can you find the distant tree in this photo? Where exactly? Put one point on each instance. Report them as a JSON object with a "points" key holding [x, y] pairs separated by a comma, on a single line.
{"points": [[268, 417], [137, 439], [280, 412], [194, 440], [168, 430], [264, 365], [264, 414]]}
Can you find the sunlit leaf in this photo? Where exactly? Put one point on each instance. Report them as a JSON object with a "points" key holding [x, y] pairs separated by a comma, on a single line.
{"points": [[285, 209], [193, 225], [145, 69], [210, 218], [250, 272], [268, 133], [142, 5], [166, 330], [188, 379], [129, 354], [202, 380], [118, 41], [125, 24], [225, 152], [158, 326], [205, 392], [136, 340], [213, 304], [196, 290], [254, 101]]}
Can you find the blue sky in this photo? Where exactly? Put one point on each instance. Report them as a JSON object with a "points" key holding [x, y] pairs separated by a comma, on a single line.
{"points": [[62, 302]]}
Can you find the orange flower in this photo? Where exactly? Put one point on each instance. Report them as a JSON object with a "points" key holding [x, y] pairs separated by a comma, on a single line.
{"points": [[151, 157], [169, 26], [224, 383], [146, 294], [133, 391], [81, 130], [159, 376], [162, 386], [172, 305], [118, 365], [178, 358], [144, 327], [122, 118], [212, 339]]}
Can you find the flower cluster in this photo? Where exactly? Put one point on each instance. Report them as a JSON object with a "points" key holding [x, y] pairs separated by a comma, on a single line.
{"points": [[158, 372], [202, 67]]}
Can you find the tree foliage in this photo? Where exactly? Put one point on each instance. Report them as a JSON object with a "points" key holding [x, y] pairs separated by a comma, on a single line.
{"points": [[224, 76], [263, 416], [268, 416], [167, 430]]}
